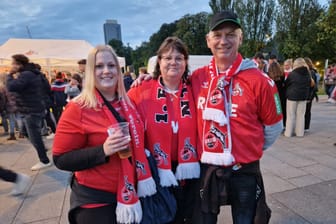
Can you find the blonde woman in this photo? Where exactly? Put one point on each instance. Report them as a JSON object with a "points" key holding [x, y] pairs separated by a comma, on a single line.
{"points": [[297, 92], [103, 185]]}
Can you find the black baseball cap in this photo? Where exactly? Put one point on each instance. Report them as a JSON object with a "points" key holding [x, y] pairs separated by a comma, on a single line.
{"points": [[224, 16]]}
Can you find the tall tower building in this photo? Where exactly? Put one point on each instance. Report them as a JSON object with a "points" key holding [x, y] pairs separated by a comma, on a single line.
{"points": [[112, 30]]}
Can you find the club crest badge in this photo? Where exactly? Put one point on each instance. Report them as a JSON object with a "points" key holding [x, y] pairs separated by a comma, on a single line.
{"points": [[188, 151], [160, 156], [128, 191]]}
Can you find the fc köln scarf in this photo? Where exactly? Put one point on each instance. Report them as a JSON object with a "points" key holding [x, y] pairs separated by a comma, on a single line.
{"points": [[171, 128], [216, 139], [135, 178]]}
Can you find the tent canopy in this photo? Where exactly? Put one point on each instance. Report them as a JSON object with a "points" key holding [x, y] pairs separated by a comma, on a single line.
{"points": [[195, 61], [48, 52]]}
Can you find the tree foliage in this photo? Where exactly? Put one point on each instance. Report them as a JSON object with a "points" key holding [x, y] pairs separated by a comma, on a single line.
{"points": [[292, 28], [191, 29], [220, 5], [257, 17], [326, 36], [297, 27]]}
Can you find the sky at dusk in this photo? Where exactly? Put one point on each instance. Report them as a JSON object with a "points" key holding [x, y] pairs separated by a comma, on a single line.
{"points": [[83, 19]]}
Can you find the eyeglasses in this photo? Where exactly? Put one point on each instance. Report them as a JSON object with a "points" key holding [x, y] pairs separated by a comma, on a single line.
{"points": [[169, 59]]}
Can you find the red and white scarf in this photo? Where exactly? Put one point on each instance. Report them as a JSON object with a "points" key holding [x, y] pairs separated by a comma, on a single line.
{"points": [[171, 128], [132, 173], [217, 143]]}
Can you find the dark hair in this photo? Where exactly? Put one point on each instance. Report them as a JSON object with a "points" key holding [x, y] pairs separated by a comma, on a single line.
{"points": [[37, 66], [259, 55], [274, 71], [20, 59], [82, 62], [59, 75], [77, 77], [273, 56], [172, 43]]}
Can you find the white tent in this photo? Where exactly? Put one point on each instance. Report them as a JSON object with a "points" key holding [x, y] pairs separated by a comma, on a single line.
{"points": [[195, 61], [48, 52]]}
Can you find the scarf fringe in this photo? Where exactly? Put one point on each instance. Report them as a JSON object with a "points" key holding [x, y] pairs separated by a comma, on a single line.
{"points": [[146, 187], [214, 115], [221, 159], [167, 178], [187, 171], [129, 214]]}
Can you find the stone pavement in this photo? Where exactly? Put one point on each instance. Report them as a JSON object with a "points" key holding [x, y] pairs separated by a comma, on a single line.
{"points": [[299, 176]]}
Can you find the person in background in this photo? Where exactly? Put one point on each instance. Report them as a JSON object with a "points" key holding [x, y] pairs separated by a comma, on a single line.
{"points": [[28, 86], [239, 116], [276, 74], [288, 67], [172, 111], [3, 104], [259, 59], [143, 71], [58, 95], [74, 87], [128, 80], [106, 184], [297, 86], [312, 92], [81, 67], [49, 122], [272, 58], [20, 181], [330, 81]]}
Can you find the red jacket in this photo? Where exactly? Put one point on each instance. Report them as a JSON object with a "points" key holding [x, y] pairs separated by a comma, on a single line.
{"points": [[254, 104], [81, 128]]}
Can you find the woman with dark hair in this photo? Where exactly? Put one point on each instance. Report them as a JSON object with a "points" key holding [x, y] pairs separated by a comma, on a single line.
{"points": [[277, 75], [312, 93], [167, 108], [74, 87]]}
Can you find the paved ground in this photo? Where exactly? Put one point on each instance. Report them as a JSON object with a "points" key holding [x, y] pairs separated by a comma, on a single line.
{"points": [[299, 175]]}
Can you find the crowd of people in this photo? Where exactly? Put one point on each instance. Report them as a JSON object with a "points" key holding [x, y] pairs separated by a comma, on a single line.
{"points": [[207, 131], [297, 83]]}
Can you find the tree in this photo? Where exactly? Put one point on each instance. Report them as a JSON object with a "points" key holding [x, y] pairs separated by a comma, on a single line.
{"points": [[118, 47], [296, 27], [326, 36], [141, 55], [191, 29], [220, 5], [257, 18]]}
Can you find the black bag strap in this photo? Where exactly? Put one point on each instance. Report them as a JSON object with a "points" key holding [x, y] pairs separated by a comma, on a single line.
{"points": [[113, 111]]}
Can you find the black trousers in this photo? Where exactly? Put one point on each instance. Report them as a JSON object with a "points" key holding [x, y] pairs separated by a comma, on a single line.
{"points": [[308, 114], [7, 175], [242, 195], [185, 196], [101, 215]]}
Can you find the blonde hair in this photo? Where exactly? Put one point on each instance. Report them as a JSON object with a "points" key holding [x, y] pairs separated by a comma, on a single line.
{"points": [[289, 62], [300, 62], [87, 98]]}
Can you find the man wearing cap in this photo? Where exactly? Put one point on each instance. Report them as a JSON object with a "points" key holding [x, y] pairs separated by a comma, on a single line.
{"points": [[239, 116]]}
